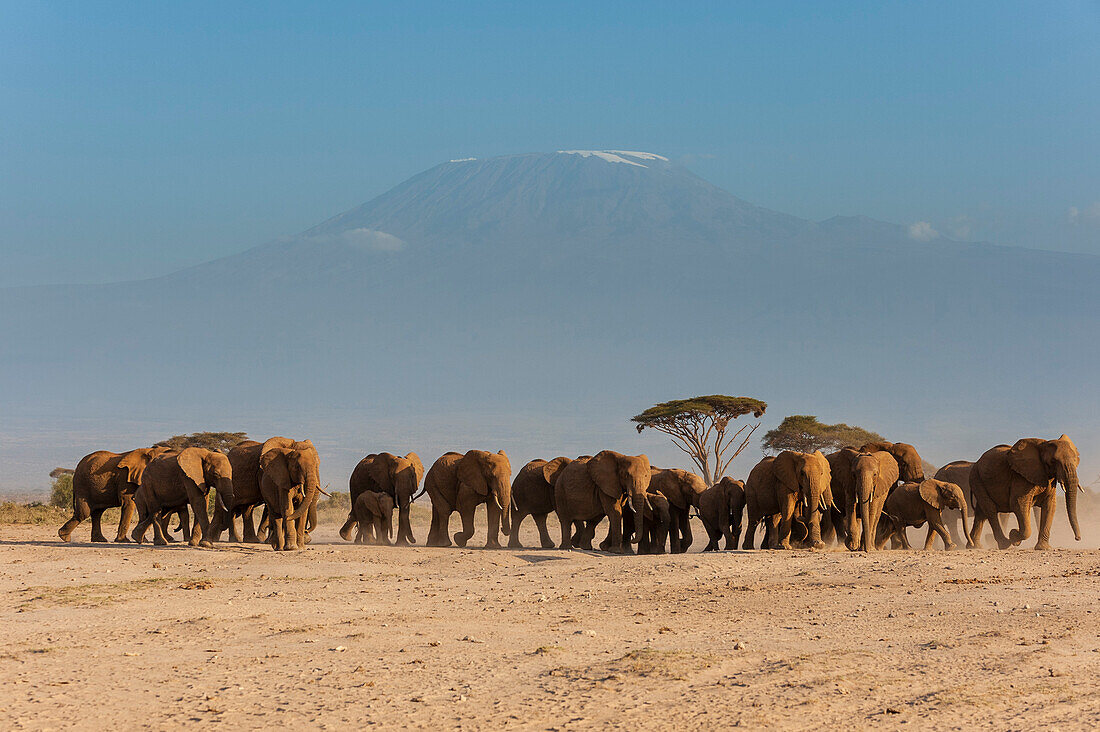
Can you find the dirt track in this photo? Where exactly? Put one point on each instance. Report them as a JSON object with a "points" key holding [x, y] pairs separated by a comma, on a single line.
{"points": [[107, 636]]}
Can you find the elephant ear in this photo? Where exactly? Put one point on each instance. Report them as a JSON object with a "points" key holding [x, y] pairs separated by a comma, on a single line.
{"points": [[930, 492], [133, 464], [418, 467], [1024, 459], [190, 462], [786, 471], [274, 465], [888, 471], [274, 443], [470, 473], [603, 469], [551, 469], [381, 470]]}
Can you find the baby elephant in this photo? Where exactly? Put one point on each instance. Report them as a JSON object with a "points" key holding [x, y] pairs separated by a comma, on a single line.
{"points": [[374, 513], [721, 507], [911, 504]]}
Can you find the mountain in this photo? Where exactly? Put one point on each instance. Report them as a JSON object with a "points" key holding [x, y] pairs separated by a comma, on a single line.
{"points": [[535, 302]]}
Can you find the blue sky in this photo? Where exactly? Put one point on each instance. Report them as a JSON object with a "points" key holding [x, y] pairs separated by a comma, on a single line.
{"points": [[139, 138]]}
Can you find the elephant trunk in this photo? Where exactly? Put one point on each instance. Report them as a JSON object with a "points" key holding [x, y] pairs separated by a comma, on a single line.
{"points": [[965, 516], [1069, 482], [223, 500], [637, 502], [312, 490], [505, 498], [865, 490]]}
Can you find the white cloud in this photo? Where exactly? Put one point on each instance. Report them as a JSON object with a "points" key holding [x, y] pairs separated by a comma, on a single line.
{"points": [[922, 231]]}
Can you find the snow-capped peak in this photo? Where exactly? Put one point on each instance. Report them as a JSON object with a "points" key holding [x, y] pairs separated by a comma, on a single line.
{"points": [[461, 160], [615, 156]]}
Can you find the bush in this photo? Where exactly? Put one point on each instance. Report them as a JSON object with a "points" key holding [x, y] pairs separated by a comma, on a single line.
{"points": [[30, 513], [61, 491]]}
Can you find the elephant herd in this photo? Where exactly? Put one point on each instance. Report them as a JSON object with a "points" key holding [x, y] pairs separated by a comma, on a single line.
{"points": [[862, 498]]}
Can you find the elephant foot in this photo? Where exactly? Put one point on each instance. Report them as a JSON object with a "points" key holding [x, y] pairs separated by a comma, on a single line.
{"points": [[818, 545], [460, 540], [1003, 544], [1042, 546], [206, 544], [159, 542], [513, 543], [401, 541], [64, 537], [492, 545], [548, 544], [100, 539]]}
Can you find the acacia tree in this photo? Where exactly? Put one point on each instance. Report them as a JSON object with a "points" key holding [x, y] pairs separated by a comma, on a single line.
{"points": [[700, 427], [219, 441], [804, 433]]}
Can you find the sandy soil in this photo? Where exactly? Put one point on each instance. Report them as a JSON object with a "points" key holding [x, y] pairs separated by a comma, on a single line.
{"points": [[110, 636]]}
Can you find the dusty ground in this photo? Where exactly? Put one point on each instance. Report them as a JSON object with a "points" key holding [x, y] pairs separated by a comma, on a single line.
{"points": [[109, 636]]}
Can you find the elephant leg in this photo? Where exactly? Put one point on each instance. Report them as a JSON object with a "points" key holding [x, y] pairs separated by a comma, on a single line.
{"points": [[349, 525], [953, 528], [513, 538], [492, 515], [441, 520], [290, 530], [685, 531], [404, 526], [566, 530], [786, 520], [614, 512], [930, 538], [275, 533], [713, 535], [936, 524], [97, 525], [467, 510], [201, 531], [248, 526], [81, 512], [159, 534], [1022, 509], [751, 523], [1046, 518], [544, 535], [124, 520], [231, 518], [987, 510]]}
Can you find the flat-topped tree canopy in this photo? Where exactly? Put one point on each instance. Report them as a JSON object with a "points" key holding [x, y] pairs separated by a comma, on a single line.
{"points": [[805, 433], [218, 441], [698, 427]]}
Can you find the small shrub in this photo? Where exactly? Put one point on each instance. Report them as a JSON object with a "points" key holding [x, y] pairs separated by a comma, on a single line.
{"points": [[61, 491]]}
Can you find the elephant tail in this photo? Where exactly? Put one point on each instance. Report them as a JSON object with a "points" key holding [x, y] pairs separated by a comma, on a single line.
{"points": [[422, 492]]}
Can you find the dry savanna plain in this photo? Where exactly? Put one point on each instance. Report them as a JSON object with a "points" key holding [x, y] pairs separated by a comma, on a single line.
{"points": [[341, 635]]}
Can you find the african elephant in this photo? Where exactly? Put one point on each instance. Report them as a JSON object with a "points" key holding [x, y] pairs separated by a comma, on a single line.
{"points": [[533, 495], [458, 482], [777, 485], [682, 489], [397, 477], [589, 488], [180, 479], [720, 508], [958, 473], [1013, 479], [656, 525], [910, 465], [105, 480], [374, 515], [244, 460], [912, 504], [860, 484], [289, 483]]}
